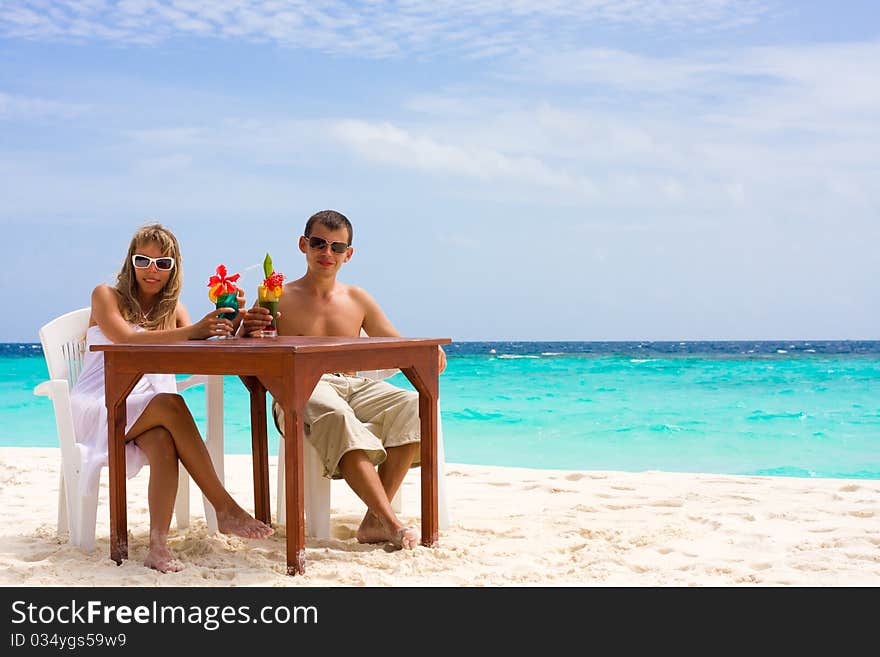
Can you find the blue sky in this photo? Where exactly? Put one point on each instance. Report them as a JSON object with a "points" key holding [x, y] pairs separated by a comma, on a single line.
{"points": [[593, 170]]}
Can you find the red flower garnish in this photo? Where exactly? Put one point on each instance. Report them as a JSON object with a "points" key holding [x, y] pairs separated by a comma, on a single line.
{"points": [[275, 281], [221, 283]]}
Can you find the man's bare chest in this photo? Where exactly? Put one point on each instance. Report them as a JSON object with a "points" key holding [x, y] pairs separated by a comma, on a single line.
{"points": [[337, 317]]}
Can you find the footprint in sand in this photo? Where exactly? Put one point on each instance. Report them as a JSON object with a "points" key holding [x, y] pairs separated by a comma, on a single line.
{"points": [[714, 524], [666, 503], [575, 477], [761, 566], [574, 548], [225, 575], [37, 556], [344, 532]]}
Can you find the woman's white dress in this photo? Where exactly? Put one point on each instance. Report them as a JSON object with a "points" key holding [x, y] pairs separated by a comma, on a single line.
{"points": [[90, 412]]}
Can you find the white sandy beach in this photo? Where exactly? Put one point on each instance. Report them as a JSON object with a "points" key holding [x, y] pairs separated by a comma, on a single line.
{"points": [[509, 527]]}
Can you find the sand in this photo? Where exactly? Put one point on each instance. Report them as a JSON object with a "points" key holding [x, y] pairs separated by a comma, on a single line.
{"points": [[509, 527]]}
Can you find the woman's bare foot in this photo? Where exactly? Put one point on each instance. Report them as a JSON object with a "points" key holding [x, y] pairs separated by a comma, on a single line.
{"points": [[238, 522], [372, 530], [159, 558]]}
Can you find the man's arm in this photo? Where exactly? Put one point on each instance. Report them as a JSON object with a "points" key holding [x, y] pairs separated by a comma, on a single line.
{"points": [[377, 325]]}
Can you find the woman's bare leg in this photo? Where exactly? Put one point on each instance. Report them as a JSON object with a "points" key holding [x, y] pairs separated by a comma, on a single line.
{"points": [[171, 412], [157, 444]]}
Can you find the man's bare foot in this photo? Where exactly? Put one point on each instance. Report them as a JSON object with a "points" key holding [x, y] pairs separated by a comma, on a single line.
{"points": [[159, 558], [372, 530], [240, 523], [405, 538]]}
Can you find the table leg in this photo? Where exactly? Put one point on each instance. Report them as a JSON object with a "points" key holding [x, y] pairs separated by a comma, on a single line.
{"points": [[292, 392], [424, 377], [294, 490], [116, 389], [428, 417], [260, 447]]}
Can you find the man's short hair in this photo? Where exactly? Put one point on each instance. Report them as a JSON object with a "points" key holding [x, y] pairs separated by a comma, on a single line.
{"points": [[330, 219]]}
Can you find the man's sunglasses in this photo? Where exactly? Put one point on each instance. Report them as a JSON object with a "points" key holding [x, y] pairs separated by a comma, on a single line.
{"points": [[319, 244], [165, 263]]}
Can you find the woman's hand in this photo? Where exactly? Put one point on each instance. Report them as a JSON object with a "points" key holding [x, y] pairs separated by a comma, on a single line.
{"points": [[211, 325], [236, 322]]}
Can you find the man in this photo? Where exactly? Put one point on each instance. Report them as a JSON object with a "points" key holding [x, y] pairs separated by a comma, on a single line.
{"points": [[354, 423]]}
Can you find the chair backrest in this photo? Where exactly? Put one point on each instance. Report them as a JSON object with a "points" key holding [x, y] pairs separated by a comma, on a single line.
{"points": [[64, 344], [377, 375]]}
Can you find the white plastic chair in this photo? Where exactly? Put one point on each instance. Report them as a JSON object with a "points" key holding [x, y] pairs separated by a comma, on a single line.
{"points": [[64, 340], [317, 486]]}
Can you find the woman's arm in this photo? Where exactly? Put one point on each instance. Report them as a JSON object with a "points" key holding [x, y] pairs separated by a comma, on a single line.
{"points": [[106, 314]]}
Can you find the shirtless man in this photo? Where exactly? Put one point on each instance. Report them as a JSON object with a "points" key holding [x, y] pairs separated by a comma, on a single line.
{"points": [[354, 423]]}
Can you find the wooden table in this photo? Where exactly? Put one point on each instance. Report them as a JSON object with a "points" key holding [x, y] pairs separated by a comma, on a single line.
{"points": [[289, 368]]}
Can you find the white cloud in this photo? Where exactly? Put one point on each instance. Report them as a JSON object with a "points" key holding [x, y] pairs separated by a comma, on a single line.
{"points": [[173, 164], [782, 130], [775, 85], [251, 141], [388, 144], [22, 107], [378, 29]]}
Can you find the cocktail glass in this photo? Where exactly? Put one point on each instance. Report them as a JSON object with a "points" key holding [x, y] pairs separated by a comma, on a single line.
{"points": [[227, 300], [267, 299]]}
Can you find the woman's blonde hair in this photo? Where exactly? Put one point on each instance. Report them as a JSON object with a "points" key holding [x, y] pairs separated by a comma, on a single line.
{"points": [[163, 314]]}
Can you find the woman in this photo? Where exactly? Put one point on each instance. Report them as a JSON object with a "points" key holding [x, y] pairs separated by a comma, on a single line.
{"points": [[144, 306]]}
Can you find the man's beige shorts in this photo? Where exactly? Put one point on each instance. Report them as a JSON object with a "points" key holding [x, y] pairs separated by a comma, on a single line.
{"points": [[351, 412]]}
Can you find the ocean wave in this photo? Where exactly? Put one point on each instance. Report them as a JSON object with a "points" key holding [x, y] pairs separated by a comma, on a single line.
{"points": [[761, 415], [664, 428], [471, 414], [516, 356]]}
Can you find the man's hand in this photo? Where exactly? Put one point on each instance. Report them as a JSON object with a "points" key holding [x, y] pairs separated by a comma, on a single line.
{"points": [[255, 319], [442, 357]]}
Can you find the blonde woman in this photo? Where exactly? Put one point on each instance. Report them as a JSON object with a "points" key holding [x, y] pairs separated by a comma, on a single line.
{"points": [[144, 306]]}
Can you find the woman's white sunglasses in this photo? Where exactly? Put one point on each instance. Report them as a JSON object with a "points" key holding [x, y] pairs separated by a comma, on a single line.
{"points": [[165, 263]]}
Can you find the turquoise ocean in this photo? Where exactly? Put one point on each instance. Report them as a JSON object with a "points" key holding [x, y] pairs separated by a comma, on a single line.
{"points": [[794, 408]]}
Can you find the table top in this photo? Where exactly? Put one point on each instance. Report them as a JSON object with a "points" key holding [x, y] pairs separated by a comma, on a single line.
{"points": [[283, 344]]}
